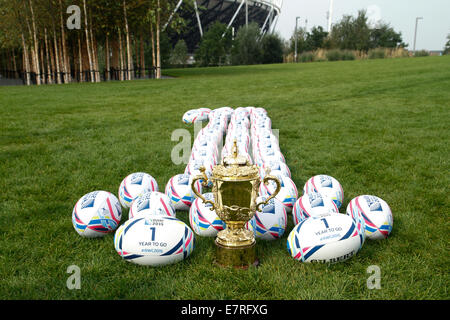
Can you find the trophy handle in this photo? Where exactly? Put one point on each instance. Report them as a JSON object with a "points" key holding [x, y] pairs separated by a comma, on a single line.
{"points": [[273, 195], [204, 183]]}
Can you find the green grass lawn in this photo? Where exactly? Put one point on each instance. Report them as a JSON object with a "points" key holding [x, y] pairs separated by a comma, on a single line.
{"points": [[380, 127]]}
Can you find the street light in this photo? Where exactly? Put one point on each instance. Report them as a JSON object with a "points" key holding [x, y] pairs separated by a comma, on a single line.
{"points": [[296, 38], [415, 33]]}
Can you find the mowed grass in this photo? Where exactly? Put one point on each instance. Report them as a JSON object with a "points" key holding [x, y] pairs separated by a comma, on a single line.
{"points": [[380, 127]]}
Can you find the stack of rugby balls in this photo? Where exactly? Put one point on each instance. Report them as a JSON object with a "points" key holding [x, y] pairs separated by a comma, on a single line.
{"points": [[204, 153], [322, 234], [151, 236], [269, 158]]}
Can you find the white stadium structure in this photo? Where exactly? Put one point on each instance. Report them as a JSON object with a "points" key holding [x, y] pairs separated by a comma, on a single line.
{"points": [[233, 13]]}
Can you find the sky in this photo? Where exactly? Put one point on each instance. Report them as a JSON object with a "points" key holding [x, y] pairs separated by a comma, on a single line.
{"points": [[432, 30]]}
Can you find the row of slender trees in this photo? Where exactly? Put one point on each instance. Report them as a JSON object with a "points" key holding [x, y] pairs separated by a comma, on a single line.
{"points": [[60, 41], [349, 33]]}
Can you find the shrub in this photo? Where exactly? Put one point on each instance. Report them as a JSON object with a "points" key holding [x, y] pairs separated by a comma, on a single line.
{"points": [[347, 55], [307, 57], [378, 53], [336, 55], [421, 53], [333, 55]]}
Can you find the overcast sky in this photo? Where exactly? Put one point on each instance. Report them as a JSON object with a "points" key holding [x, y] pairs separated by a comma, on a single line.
{"points": [[401, 14]]}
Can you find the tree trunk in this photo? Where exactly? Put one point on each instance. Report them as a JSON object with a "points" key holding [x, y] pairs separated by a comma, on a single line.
{"points": [[42, 66], [158, 48], [127, 35], [26, 60], [66, 62], [142, 63], [36, 46], [121, 56], [107, 63], [58, 71], [49, 72], [94, 51], [52, 62], [87, 42], [16, 75], [80, 59], [153, 48]]}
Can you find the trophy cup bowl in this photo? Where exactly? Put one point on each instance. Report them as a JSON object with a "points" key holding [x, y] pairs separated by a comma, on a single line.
{"points": [[235, 185]]}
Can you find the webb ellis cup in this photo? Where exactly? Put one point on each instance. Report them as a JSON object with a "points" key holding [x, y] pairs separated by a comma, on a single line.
{"points": [[235, 185]]}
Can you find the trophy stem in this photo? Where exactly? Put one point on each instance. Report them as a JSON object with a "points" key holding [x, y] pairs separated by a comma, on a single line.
{"points": [[237, 257]]}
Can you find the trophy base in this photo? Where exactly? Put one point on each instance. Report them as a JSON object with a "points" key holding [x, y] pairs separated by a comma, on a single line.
{"points": [[236, 257]]}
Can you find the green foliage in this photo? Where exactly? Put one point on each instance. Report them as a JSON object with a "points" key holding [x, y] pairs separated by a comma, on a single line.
{"points": [[316, 38], [447, 45], [179, 54], [421, 53], [214, 48], [307, 57], [354, 33], [378, 53], [247, 47], [309, 41], [272, 48], [336, 55], [384, 36]]}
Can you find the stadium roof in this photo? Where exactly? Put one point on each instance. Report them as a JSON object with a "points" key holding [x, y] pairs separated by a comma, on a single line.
{"points": [[233, 13]]}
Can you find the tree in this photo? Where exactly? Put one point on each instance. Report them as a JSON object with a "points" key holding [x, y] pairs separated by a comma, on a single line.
{"points": [[384, 36], [447, 45], [316, 38], [247, 45], [214, 49], [352, 33], [179, 54], [272, 48], [301, 35]]}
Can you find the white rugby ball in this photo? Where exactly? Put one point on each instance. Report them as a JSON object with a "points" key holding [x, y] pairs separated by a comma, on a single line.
{"points": [[135, 184], [328, 239], [149, 203], [327, 186], [204, 221], [154, 240], [312, 204], [288, 193], [374, 213], [179, 191], [270, 222], [96, 214], [196, 115]]}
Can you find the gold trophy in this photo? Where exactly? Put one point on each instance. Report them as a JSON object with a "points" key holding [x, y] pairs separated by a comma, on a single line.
{"points": [[235, 185]]}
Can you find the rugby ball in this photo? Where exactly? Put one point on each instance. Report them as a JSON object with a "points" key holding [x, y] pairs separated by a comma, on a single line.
{"points": [[154, 240], [204, 221], [288, 193], [134, 185], [312, 204], [327, 186], [374, 213], [195, 115], [270, 222], [96, 214], [149, 203], [327, 239], [179, 191]]}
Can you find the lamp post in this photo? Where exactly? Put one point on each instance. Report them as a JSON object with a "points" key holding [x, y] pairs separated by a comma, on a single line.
{"points": [[296, 38], [415, 32]]}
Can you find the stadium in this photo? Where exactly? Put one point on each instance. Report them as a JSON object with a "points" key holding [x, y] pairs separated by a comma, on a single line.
{"points": [[233, 13]]}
